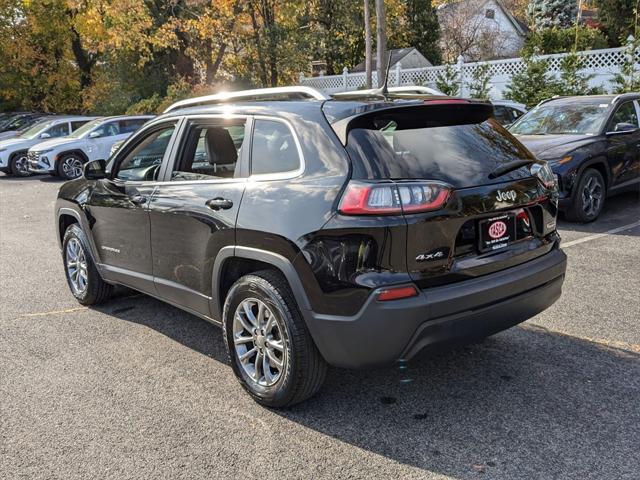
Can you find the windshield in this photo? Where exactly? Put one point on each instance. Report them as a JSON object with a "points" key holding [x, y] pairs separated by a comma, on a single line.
{"points": [[87, 127], [584, 118], [34, 131]]}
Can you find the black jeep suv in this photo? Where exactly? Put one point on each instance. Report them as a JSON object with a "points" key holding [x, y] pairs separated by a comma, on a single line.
{"points": [[592, 144], [316, 231]]}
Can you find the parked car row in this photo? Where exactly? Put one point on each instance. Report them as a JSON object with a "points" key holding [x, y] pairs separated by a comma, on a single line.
{"points": [[61, 145], [592, 144]]}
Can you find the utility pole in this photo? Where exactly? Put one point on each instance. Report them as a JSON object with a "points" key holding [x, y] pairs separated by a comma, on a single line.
{"points": [[367, 43], [381, 41]]}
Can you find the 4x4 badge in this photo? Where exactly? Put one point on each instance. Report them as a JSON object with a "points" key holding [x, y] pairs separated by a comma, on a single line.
{"points": [[508, 195]]}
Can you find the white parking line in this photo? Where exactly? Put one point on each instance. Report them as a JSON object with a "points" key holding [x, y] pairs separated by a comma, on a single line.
{"points": [[598, 235]]}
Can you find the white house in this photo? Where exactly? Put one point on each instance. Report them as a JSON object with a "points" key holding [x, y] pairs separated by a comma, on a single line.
{"points": [[479, 30], [408, 57]]}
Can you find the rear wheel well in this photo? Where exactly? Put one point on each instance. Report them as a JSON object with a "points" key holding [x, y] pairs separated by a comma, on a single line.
{"points": [[236, 267], [64, 222]]}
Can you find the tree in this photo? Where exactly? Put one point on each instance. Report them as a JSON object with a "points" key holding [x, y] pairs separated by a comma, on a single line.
{"points": [[447, 81], [480, 86], [572, 80], [552, 13], [533, 83], [423, 29], [381, 41], [619, 19], [368, 60], [560, 40], [628, 79]]}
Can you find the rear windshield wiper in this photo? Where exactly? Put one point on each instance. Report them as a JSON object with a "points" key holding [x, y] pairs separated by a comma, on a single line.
{"points": [[510, 167]]}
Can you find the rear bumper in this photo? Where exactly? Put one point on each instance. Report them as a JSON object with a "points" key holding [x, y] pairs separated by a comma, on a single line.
{"points": [[440, 317]]}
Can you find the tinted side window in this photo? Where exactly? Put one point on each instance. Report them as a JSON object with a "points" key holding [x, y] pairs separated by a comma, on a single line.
{"points": [[108, 129], [143, 162], [60, 130], [502, 114], [626, 113], [130, 126], [77, 125], [274, 149], [211, 152]]}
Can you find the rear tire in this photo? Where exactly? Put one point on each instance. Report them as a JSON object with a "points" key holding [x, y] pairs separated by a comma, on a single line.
{"points": [[19, 165], [260, 312], [70, 166], [588, 198], [83, 277]]}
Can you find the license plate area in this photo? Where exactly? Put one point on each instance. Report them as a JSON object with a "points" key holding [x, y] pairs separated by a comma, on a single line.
{"points": [[497, 232]]}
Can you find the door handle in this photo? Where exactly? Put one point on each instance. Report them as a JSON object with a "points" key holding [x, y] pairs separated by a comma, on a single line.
{"points": [[219, 204], [138, 199]]}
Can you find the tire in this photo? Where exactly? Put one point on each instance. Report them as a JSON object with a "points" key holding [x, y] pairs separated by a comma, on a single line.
{"points": [[69, 166], [302, 370], [588, 198], [19, 165], [95, 289]]}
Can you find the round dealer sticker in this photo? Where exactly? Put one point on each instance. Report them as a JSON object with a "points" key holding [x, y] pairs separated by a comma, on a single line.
{"points": [[497, 229]]}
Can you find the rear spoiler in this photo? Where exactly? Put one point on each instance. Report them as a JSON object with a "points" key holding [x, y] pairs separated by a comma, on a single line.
{"points": [[432, 113]]}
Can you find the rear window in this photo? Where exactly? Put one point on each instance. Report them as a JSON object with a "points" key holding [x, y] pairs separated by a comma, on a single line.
{"points": [[447, 153]]}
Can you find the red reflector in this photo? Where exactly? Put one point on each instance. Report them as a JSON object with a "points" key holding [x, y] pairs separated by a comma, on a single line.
{"points": [[397, 293]]}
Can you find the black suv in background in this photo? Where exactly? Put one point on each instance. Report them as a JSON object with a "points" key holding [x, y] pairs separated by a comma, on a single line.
{"points": [[318, 231], [592, 143]]}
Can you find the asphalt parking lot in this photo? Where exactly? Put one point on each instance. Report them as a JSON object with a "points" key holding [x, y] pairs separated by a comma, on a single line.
{"points": [[139, 389]]}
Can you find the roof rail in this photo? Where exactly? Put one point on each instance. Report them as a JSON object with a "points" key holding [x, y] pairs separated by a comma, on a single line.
{"points": [[276, 93]]}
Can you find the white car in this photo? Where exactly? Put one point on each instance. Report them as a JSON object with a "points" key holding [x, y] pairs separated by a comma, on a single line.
{"points": [[507, 111], [65, 157], [13, 152]]}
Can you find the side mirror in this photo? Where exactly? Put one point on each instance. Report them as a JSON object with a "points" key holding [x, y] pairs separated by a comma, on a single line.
{"points": [[95, 134], [45, 135], [624, 127], [95, 170]]}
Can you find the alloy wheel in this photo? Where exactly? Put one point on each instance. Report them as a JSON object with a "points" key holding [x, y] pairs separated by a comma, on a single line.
{"points": [[72, 167], [77, 269], [592, 196], [21, 165], [258, 342]]}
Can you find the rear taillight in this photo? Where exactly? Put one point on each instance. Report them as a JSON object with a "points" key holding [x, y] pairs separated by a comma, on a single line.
{"points": [[390, 198]]}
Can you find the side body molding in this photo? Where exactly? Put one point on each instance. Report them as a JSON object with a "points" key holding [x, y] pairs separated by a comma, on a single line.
{"points": [[278, 261]]}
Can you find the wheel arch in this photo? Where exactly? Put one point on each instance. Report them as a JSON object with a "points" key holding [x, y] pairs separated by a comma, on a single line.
{"points": [[597, 163], [74, 151], [232, 262]]}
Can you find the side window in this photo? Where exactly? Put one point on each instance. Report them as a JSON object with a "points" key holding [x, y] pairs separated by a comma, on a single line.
{"points": [[516, 114], [130, 126], [211, 152], [502, 114], [626, 113], [143, 162], [77, 125], [59, 130], [273, 149], [108, 129]]}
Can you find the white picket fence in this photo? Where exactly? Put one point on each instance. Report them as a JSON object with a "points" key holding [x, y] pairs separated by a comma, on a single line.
{"points": [[603, 64]]}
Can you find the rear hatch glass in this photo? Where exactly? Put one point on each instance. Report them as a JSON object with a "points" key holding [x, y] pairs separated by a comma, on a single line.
{"points": [[397, 146]]}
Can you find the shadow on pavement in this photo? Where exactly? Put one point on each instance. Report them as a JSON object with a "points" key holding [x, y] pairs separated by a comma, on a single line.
{"points": [[619, 210], [527, 403]]}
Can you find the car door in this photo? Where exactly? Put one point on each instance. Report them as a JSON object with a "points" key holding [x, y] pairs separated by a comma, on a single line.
{"points": [[193, 211], [101, 138], [623, 147], [118, 207], [56, 131]]}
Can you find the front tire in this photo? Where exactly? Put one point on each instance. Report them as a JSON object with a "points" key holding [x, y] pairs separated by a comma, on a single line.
{"points": [[70, 166], [270, 349], [83, 277], [588, 198], [19, 165]]}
